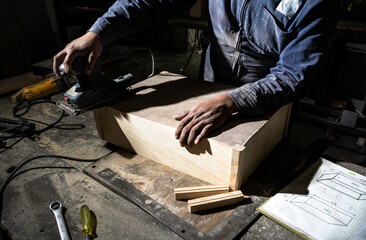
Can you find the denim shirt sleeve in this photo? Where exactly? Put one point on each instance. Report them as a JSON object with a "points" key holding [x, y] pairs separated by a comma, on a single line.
{"points": [[300, 60], [126, 17]]}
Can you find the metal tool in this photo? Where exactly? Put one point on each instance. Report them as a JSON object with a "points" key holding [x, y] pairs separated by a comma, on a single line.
{"points": [[56, 208], [94, 90]]}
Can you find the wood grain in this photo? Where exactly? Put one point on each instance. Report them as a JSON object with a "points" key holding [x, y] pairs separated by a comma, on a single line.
{"points": [[158, 182], [144, 124], [215, 201], [258, 146], [187, 193]]}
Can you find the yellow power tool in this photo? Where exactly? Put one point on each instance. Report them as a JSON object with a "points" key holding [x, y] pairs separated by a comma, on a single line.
{"points": [[50, 85]]}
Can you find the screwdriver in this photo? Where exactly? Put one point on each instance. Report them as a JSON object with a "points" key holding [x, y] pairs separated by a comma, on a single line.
{"points": [[86, 221]]}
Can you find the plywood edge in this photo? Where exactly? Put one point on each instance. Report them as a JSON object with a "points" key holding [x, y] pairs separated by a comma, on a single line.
{"points": [[236, 168], [262, 143], [187, 193], [215, 201]]}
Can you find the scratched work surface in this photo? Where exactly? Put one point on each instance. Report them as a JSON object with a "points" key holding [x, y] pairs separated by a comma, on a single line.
{"points": [[150, 185]]}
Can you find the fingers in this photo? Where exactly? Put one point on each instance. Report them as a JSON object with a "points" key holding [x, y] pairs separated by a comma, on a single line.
{"points": [[198, 132], [205, 131], [88, 45], [66, 57], [184, 120], [96, 48], [57, 60], [186, 135], [192, 129], [202, 119], [179, 117], [89, 66], [69, 59]]}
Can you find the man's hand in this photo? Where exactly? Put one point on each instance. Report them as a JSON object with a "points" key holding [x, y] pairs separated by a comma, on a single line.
{"points": [[203, 118], [88, 45]]}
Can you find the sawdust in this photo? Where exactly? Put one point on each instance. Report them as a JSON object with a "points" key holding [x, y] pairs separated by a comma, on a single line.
{"points": [[77, 147]]}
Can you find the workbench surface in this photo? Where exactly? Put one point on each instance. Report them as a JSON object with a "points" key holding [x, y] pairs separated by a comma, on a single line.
{"points": [[26, 212]]}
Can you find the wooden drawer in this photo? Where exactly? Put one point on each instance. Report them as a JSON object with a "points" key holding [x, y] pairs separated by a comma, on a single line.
{"points": [[144, 124]]}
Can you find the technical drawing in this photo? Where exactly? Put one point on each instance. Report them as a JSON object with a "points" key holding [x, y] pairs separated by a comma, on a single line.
{"points": [[344, 184], [322, 209]]}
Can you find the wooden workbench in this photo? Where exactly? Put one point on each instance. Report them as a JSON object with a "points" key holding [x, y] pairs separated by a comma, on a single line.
{"points": [[27, 216]]}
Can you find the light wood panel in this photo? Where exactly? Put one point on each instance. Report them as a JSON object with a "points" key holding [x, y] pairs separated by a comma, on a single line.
{"points": [[187, 193], [258, 146], [144, 124], [215, 201]]}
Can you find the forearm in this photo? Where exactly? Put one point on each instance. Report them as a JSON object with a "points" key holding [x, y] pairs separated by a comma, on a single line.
{"points": [[263, 96], [126, 17]]}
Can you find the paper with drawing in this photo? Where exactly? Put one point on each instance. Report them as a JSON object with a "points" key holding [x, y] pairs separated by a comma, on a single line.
{"points": [[326, 202]]}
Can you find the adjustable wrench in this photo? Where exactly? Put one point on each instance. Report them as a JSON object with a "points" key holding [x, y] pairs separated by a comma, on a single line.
{"points": [[56, 208]]}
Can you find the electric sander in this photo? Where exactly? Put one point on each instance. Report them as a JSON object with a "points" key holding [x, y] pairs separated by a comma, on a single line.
{"points": [[94, 90]]}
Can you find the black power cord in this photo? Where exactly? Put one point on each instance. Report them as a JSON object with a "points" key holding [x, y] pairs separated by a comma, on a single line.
{"points": [[3, 233], [27, 107], [18, 107]]}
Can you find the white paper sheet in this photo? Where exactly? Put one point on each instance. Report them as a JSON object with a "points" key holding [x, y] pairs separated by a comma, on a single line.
{"points": [[326, 202]]}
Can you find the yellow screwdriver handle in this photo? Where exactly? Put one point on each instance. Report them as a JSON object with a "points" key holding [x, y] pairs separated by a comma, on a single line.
{"points": [[86, 220]]}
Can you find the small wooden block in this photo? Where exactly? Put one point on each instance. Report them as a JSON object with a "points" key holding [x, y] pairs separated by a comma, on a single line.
{"points": [[215, 201], [198, 192]]}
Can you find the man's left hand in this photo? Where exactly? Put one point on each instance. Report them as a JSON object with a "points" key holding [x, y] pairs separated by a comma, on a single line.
{"points": [[202, 119]]}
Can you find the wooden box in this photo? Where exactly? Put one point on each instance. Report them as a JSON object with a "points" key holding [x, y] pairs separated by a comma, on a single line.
{"points": [[144, 124]]}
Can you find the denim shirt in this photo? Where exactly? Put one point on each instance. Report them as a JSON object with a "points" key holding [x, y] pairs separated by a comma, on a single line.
{"points": [[266, 48]]}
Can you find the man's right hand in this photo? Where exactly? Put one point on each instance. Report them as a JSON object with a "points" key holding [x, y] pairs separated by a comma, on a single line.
{"points": [[88, 45]]}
